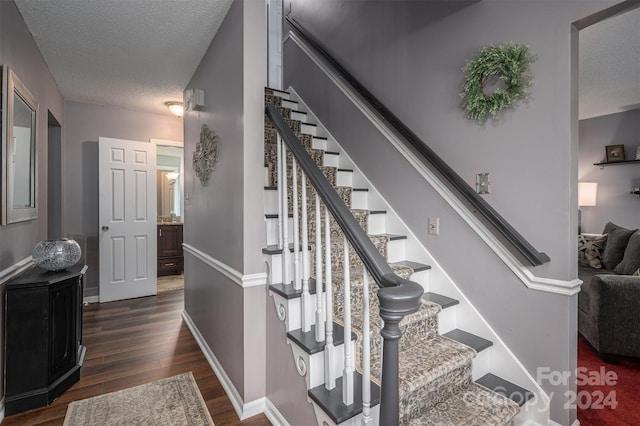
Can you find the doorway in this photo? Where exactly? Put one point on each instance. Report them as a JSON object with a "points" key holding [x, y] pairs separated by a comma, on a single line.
{"points": [[170, 215], [54, 178]]}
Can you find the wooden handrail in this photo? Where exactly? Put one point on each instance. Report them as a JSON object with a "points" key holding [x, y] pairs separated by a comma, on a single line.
{"points": [[477, 203]]}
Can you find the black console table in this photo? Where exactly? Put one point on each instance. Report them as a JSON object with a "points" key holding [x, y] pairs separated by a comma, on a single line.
{"points": [[43, 341]]}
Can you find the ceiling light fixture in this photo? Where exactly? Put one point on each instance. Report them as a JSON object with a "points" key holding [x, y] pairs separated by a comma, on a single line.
{"points": [[176, 108]]}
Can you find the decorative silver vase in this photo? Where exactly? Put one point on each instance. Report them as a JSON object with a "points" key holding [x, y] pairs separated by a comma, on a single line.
{"points": [[56, 255]]}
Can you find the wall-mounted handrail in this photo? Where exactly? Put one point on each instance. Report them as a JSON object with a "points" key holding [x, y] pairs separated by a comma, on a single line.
{"points": [[398, 297], [500, 224]]}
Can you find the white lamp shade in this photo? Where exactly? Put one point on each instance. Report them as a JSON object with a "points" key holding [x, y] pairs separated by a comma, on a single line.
{"points": [[587, 193]]}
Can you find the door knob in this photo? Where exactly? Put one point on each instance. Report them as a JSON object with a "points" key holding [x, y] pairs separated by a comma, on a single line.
{"points": [[105, 228]]}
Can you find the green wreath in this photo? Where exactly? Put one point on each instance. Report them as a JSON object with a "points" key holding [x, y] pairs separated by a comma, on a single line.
{"points": [[510, 63]]}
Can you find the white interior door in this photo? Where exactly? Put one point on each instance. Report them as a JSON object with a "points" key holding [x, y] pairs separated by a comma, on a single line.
{"points": [[128, 244]]}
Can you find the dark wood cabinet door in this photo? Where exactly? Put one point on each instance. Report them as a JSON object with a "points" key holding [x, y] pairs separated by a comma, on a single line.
{"points": [[169, 240], [62, 328]]}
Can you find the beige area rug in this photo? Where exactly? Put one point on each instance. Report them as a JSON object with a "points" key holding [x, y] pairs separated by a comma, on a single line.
{"points": [[170, 282], [175, 401]]}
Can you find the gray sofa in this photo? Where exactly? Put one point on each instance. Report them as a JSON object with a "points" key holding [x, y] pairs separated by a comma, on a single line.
{"points": [[609, 301]]}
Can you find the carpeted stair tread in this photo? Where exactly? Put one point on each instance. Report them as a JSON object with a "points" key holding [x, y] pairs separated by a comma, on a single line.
{"points": [[431, 359], [473, 406]]}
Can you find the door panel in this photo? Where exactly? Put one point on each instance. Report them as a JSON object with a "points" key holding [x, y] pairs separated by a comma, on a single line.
{"points": [[127, 219]]}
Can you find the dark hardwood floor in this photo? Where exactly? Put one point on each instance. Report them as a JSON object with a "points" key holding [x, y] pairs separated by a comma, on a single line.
{"points": [[133, 342]]}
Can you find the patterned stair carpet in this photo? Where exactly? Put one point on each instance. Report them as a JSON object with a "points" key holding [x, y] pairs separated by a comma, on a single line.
{"points": [[435, 372], [172, 401]]}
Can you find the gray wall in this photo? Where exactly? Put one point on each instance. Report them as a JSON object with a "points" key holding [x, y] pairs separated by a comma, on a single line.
{"points": [[410, 54], [614, 203], [19, 51], [83, 125], [225, 218]]}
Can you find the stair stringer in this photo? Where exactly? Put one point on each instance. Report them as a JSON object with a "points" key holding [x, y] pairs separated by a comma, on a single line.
{"points": [[500, 360]]}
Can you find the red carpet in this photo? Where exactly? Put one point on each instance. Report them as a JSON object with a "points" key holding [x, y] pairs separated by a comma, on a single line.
{"points": [[596, 401]]}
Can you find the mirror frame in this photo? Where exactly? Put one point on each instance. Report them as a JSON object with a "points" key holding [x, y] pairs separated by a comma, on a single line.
{"points": [[11, 85]]}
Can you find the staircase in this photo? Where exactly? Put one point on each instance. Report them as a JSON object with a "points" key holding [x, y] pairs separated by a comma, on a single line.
{"points": [[335, 330]]}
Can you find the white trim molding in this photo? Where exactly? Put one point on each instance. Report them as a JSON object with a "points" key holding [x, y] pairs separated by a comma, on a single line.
{"points": [[244, 281], [244, 410], [90, 299], [13, 271], [522, 272], [273, 414]]}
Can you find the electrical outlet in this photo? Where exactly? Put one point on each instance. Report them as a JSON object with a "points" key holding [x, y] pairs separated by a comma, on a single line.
{"points": [[434, 226]]}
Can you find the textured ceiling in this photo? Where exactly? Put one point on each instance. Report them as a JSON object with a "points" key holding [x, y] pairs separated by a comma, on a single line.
{"points": [[138, 54], [610, 66], [134, 54]]}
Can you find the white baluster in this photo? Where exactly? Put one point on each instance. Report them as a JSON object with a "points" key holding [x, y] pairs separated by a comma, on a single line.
{"points": [[279, 177], [329, 349], [366, 352], [347, 374], [297, 284], [285, 219], [320, 318], [307, 314]]}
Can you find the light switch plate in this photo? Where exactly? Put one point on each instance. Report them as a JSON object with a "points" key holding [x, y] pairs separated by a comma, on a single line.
{"points": [[434, 226], [482, 183]]}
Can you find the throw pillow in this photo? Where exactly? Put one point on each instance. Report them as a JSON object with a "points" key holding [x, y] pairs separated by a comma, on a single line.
{"points": [[616, 244], [593, 251], [631, 259], [582, 260]]}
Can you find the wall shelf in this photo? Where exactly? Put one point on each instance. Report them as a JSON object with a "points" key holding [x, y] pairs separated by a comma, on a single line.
{"points": [[617, 163]]}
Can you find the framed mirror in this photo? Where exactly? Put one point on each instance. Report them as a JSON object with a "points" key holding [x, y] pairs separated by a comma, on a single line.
{"points": [[19, 174]]}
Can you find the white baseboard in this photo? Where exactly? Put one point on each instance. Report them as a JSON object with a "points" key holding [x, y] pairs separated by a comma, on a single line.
{"points": [[91, 299], [552, 423], [273, 414], [244, 410]]}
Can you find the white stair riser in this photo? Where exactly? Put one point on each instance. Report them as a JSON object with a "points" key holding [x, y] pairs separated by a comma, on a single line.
{"points": [[281, 94], [313, 365], [481, 364], [270, 198], [288, 311], [275, 265], [344, 178], [300, 116], [318, 143], [308, 129], [289, 104], [331, 160], [360, 200], [273, 233], [396, 251], [448, 320], [377, 224]]}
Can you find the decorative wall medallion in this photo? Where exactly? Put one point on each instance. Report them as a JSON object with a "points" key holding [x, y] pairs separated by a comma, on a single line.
{"points": [[510, 64], [206, 154]]}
